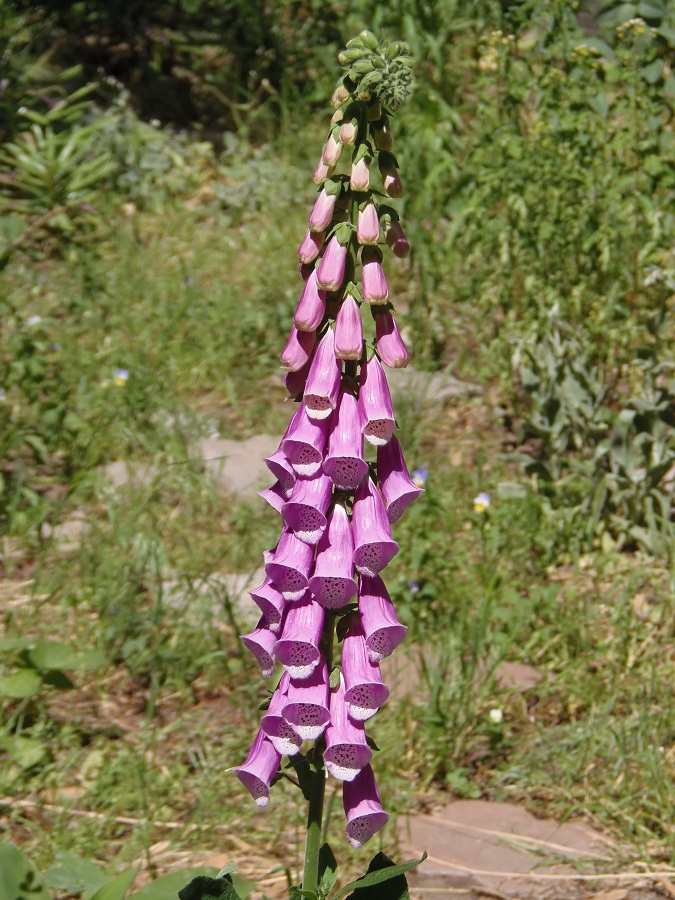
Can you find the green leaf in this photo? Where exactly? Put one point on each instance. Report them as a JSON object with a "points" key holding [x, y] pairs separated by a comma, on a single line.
{"points": [[20, 686], [74, 875], [22, 751], [173, 883], [380, 870], [19, 880], [56, 655], [327, 870], [206, 888], [116, 888], [38, 446]]}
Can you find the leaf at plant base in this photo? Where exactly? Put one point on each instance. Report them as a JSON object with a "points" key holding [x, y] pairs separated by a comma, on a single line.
{"points": [[74, 875], [169, 885], [21, 685], [23, 752], [56, 655], [18, 876], [381, 871], [116, 888], [206, 888], [327, 870]]}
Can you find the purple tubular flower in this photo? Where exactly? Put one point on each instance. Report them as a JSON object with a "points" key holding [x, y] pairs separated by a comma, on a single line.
{"points": [[311, 306], [344, 463], [271, 604], [360, 176], [322, 213], [348, 330], [306, 708], [373, 544], [368, 225], [298, 647], [290, 565], [294, 382], [396, 240], [298, 349], [305, 511], [323, 381], [393, 352], [276, 496], [398, 489], [373, 283], [284, 739], [261, 643], [363, 808], [332, 151], [280, 467], [304, 444], [347, 750], [262, 764], [331, 269], [332, 583], [377, 412], [382, 629], [311, 246], [364, 691]]}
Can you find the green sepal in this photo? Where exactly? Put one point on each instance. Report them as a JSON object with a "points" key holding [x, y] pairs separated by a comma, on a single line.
{"points": [[370, 80], [371, 743], [327, 871], [343, 232], [342, 628], [363, 151], [386, 160], [334, 679], [332, 186], [265, 704], [381, 870]]}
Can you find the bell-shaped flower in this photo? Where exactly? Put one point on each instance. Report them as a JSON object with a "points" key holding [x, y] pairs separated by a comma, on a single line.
{"points": [[360, 176], [398, 489], [332, 151], [305, 511], [390, 347], [284, 738], [347, 750], [344, 463], [396, 240], [331, 269], [261, 643], [348, 131], [275, 496], [298, 647], [368, 225], [311, 246], [348, 330], [364, 691], [322, 211], [280, 467], [262, 764], [373, 283], [373, 544], [290, 566], [322, 172], [298, 349], [332, 583], [271, 604], [323, 381], [363, 808], [306, 708], [382, 629], [304, 444], [377, 413], [311, 306]]}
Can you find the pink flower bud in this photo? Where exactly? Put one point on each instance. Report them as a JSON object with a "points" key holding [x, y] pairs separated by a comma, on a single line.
{"points": [[348, 330], [348, 132], [360, 178], [331, 269], [332, 151], [311, 306], [390, 347], [392, 182], [383, 138], [322, 172], [397, 240], [377, 413], [323, 381], [311, 246], [298, 349], [373, 283], [368, 225], [322, 213]]}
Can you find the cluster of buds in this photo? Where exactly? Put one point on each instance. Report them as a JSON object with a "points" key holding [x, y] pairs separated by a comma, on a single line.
{"points": [[336, 504]]}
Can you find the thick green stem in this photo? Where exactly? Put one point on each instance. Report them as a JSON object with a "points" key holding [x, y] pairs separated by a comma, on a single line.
{"points": [[310, 876]]}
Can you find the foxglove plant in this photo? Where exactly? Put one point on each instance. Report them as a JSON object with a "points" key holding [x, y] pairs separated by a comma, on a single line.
{"points": [[341, 479]]}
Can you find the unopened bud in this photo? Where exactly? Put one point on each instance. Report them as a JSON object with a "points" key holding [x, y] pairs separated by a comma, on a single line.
{"points": [[368, 226], [322, 172], [360, 177], [340, 96], [396, 239], [348, 132], [332, 151], [382, 138]]}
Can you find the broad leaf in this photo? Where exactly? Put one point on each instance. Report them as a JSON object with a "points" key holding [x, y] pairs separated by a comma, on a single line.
{"points": [[381, 870], [173, 883], [23, 684], [19, 879], [327, 870], [56, 655], [116, 888], [74, 875]]}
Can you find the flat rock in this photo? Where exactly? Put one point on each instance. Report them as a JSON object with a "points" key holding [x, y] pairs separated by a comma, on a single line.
{"points": [[475, 844], [429, 388], [238, 467]]}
